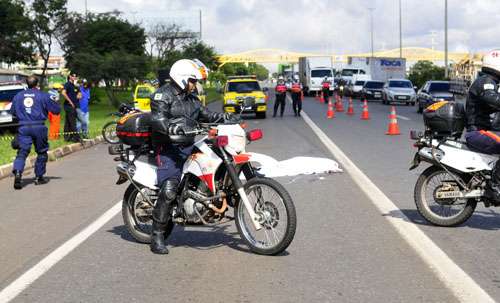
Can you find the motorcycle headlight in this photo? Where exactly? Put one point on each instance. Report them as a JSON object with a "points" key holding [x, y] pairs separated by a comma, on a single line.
{"points": [[230, 101]]}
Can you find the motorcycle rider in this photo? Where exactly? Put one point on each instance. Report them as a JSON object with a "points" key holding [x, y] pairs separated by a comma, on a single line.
{"points": [[280, 96], [483, 100], [325, 88], [297, 97], [175, 110]]}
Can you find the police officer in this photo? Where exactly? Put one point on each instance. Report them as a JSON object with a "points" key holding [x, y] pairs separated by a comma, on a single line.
{"points": [[31, 107], [280, 97], [483, 100], [297, 97], [325, 88], [175, 109]]}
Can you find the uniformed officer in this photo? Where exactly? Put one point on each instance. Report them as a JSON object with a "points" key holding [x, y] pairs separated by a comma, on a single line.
{"points": [[280, 97], [31, 107], [297, 97], [483, 100], [325, 88]]}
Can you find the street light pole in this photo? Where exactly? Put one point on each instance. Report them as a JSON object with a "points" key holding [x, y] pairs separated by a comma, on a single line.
{"points": [[371, 9], [446, 38], [400, 33]]}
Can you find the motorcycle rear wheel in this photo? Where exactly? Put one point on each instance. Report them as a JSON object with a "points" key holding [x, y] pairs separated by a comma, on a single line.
{"points": [[279, 219], [135, 213], [109, 132], [442, 213]]}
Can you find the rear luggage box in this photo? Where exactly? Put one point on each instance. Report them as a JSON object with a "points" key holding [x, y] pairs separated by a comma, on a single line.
{"points": [[135, 129]]}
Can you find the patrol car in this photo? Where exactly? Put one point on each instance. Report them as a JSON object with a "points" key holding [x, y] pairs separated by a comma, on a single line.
{"points": [[243, 94], [7, 92]]}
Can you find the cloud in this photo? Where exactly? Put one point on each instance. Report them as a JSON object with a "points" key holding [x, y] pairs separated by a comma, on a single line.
{"points": [[318, 26]]}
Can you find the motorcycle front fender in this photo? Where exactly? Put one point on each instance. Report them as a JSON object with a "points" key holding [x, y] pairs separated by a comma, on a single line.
{"points": [[415, 162]]}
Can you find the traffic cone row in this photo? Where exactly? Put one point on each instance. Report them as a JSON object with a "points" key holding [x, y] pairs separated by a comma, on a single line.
{"points": [[393, 123], [330, 114], [365, 115]]}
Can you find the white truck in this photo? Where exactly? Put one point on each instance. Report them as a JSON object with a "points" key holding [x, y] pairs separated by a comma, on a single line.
{"points": [[379, 68], [312, 72]]}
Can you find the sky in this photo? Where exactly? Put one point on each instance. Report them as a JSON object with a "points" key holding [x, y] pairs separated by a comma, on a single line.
{"points": [[333, 26]]}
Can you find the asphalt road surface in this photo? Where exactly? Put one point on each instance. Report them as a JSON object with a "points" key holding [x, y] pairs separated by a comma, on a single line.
{"points": [[344, 250]]}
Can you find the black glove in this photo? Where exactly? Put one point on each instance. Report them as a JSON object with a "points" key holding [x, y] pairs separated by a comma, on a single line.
{"points": [[175, 129]]}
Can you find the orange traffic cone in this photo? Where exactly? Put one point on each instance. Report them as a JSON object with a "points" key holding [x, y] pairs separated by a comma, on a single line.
{"points": [[340, 105], [330, 114], [350, 108], [365, 115], [393, 123]]}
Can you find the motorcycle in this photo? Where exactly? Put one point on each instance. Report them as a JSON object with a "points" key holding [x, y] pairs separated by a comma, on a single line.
{"points": [[447, 192], [218, 176]]}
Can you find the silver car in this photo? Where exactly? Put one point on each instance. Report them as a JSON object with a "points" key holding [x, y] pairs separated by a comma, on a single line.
{"points": [[399, 91]]}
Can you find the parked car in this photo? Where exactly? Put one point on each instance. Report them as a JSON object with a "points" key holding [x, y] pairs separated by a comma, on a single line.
{"points": [[432, 92], [7, 93], [372, 90], [399, 91]]}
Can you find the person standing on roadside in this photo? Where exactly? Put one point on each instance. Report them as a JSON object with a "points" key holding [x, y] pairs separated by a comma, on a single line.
{"points": [[82, 123], [325, 88], [280, 97], [55, 119], [71, 103], [297, 97], [31, 108]]}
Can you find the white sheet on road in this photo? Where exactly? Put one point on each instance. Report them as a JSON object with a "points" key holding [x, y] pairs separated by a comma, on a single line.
{"points": [[272, 168]]}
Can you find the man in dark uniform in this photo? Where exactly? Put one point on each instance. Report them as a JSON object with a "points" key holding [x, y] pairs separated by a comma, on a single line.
{"points": [[483, 100], [280, 97], [297, 96], [31, 107], [175, 110], [71, 103]]}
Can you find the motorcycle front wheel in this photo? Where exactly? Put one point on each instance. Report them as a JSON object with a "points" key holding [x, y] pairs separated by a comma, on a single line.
{"points": [[137, 214], [273, 204], [441, 211]]}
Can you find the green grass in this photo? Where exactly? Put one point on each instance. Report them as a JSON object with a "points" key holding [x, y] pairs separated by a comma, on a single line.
{"points": [[98, 117], [213, 95]]}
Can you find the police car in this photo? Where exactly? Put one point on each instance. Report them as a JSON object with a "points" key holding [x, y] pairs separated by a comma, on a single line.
{"points": [[7, 92]]}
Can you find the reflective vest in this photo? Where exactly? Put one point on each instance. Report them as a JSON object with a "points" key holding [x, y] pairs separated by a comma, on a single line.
{"points": [[296, 88], [326, 84], [281, 88]]}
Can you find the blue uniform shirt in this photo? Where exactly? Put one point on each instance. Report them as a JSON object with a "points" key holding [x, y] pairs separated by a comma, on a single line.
{"points": [[32, 106], [84, 101]]}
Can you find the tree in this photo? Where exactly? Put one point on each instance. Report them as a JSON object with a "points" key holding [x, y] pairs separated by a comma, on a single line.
{"points": [[15, 33], [106, 47], [47, 15], [424, 71]]}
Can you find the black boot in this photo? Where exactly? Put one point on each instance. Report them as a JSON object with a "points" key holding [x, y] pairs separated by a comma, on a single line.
{"points": [[492, 193], [18, 180], [41, 180], [158, 245]]}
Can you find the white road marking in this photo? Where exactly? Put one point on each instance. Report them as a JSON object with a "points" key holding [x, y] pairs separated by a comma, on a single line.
{"points": [[455, 279], [30, 276], [403, 117]]}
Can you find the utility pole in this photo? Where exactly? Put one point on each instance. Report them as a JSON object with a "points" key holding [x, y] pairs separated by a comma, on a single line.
{"points": [[400, 33], [371, 9], [200, 24], [86, 11], [446, 38]]}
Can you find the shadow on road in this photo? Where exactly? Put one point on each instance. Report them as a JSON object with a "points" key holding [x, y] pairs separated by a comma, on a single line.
{"points": [[484, 220], [207, 239], [28, 181]]}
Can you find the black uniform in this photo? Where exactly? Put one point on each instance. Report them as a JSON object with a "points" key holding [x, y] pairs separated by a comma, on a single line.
{"points": [[483, 100], [173, 113]]}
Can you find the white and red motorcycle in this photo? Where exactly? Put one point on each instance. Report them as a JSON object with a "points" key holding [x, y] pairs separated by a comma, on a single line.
{"points": [[219, 175]]}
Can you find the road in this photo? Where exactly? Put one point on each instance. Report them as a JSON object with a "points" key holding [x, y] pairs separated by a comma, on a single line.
{"points": [[345, 250]]}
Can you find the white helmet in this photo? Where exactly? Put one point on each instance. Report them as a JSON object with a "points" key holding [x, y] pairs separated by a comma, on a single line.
{"points": [[492, 61], [183, 70]]}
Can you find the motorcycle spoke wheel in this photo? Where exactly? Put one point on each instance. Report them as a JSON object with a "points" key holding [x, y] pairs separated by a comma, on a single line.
{"points": [[276, 213]]}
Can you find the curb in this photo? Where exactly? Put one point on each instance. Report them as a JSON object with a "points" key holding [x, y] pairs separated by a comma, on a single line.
{"points": [[54, 154]]}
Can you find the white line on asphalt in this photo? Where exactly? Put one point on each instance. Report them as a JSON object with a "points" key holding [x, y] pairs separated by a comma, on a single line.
{"points": [[403, 117], [457, 281], [26, 279]]}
